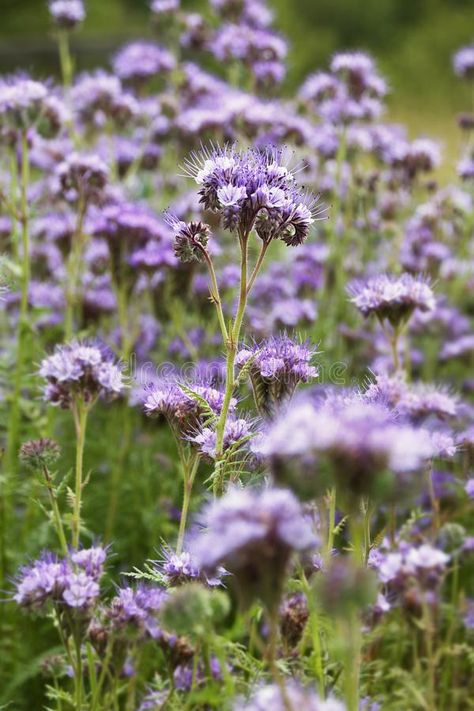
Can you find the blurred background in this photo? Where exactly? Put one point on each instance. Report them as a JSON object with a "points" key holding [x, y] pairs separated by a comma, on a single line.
{"points": [[412, 40]]}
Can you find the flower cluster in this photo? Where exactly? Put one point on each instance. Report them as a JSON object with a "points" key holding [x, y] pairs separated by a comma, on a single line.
{"points": [[253, 534], [392, 298], [254, 190], [353, 441], [272, 697], [80, 370], [66, 582], [276, 367], [67, 14]]}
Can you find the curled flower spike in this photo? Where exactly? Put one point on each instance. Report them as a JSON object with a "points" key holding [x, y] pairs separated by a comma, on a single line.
{"points": [[190, 239]]}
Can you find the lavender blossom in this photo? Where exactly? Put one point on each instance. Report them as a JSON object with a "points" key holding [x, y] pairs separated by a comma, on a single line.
{"points": [[277, 366], [463, 62], [137, 608], [271, 697], [22, 102], [67, 14], [253, 534], [181, 568], [236, 433], [82, 178], [392, 298], [83, 370], [140, 61], [253, 190], [357, 442]]}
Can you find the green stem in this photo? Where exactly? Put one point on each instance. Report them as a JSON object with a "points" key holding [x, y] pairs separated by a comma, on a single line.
{"points": [[231, 347], [80, 412], [258, 265], [272, 652], [23, 321], [78, 674], [215, 295], [189, 472], [315, 635], [73, 269], [331, 521], [58, 524], [65, 59]]}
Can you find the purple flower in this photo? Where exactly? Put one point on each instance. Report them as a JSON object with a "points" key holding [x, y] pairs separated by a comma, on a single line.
{"points": [[253, 190], [164, 7], [182, 410], [91, 560], [469, 488], [236, 434], [270, 697], [99, 97], [253, 534], [81, 590], [277, 366], [180, 568], [463, 62], [138, 608], [468, 618], [80, 370], [22, 102], [415, 400], [392, 298], [67, 14], [60, 581], [357, 442], [139, 61], [190, 239], [82, 178], [184, 673]]}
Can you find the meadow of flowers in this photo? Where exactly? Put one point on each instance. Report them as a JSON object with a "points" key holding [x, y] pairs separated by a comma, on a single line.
{"points": [[236, 372]]}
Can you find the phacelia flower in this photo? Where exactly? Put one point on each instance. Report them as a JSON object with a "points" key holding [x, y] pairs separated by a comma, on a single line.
{"points": [[463, 62], [253, 190], [358, 444], [469, 488], [392, 298], [294, 615], [253, 534], [416, 401], [236, 433], [60, 581], [82, 178], [139, 61], [137, 608], [80, 370], [182, 410], [276, 367], [180, 568], [22, 102], [67, 14], [271, 697]]}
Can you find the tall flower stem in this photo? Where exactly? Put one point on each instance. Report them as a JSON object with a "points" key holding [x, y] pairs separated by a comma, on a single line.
{"points": [[80, 412], [215, 296], [271, 654], [58, 523], [331, 521], [65, 59], [231, 352], [73, 269], [23, 323], [189, 468]]}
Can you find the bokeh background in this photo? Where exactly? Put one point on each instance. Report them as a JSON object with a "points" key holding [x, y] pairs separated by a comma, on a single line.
{"points": [[413, 41]]}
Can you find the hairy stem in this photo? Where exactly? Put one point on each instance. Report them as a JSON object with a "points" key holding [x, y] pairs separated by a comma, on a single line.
{"points": [[58, 523], [190, 468], [80, 412]]}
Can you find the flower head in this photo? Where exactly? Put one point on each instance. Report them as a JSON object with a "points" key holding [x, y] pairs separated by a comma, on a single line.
{"points": [[38, 453], [82, 177], [139, 61], [137, 608], [22, 101], [276, 366], [67, 14], [190, 239], [253, 534], [271, 697], [253, 190], [463, 62], [392, 298], [80, 370]]}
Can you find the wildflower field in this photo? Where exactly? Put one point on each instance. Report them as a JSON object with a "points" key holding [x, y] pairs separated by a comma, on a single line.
{"points": [[237, 411]]}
